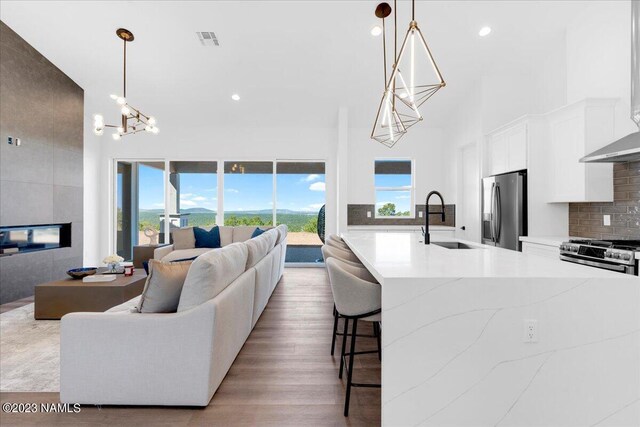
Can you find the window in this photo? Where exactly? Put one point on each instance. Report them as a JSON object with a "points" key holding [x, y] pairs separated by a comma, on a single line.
{"points": [[248, 193], [193, 194], [394, 188]]}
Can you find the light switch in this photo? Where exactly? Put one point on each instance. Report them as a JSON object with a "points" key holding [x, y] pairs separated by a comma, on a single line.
{"points": [[606, 219], [368, 214], [419, 214]]}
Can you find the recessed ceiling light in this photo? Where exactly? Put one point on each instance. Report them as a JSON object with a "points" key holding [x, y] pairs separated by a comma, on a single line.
{"points": [[484, 31], [376, 31], [235, 97]]}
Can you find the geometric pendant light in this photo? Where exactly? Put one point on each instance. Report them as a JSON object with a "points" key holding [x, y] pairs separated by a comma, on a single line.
{"points": [[423, 78], [415, 78], [387, 127], [132, 120]]}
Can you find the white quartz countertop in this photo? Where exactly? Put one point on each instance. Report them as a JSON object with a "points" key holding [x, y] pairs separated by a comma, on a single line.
{"points": [[404, 255]]}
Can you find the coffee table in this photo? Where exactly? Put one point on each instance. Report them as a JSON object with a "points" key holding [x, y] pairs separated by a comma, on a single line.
{"points": [[55, 299]]}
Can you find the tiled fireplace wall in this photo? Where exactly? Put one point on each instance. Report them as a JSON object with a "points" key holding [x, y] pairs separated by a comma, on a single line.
{"points": [[41, 180], [585, 219]]}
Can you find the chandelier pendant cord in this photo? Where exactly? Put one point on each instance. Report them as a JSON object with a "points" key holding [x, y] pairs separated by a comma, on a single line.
{"points": [[384, 52]]}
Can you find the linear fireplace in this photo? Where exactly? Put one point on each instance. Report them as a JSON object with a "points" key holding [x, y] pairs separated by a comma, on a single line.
{"points": [[17, 239]]}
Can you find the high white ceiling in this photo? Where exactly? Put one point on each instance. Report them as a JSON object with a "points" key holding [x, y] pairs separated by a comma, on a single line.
{"points": [[292, 62]]}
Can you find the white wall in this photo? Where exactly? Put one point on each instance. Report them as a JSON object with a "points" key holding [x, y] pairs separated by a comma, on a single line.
{"points": [[422, 144]]}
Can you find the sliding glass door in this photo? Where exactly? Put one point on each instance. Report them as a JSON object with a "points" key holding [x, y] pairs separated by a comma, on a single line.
{"points": [[192, 194], [150, 202], [139, 204], [248, 193], [300, 196]]}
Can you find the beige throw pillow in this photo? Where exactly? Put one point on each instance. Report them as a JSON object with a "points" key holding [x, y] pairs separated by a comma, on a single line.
{"points": [[183, 238], [162, 290]]}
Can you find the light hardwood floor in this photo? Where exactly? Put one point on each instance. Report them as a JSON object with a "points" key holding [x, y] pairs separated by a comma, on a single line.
{"points": [[283, 376]]}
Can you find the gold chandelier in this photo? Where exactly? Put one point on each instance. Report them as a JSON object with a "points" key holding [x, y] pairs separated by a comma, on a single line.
{"points": [[132, 119], [399, 108]]}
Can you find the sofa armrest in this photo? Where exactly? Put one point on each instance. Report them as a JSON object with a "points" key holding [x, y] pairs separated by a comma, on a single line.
{"points": [[162, 251], [137, 359]]}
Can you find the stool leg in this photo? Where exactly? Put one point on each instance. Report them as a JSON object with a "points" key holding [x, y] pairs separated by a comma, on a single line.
{"points": [[335, 329], [350, 371], [344, 346]]}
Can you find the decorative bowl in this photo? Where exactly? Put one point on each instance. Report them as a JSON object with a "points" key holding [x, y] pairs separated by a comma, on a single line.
{"points": [[79, 273]]}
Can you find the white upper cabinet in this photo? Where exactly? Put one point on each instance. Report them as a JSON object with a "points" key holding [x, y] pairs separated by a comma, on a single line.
{"points": [[506, 149], [575, 131]]}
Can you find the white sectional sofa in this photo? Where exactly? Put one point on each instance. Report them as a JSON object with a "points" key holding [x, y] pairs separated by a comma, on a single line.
{"points": [[122, 357]]}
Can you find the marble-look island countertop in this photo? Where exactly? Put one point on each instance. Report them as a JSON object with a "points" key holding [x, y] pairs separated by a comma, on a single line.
{"points": [[455, 347], [404, 255]]}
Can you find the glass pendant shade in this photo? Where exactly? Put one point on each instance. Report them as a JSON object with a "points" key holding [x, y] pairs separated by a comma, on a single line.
{"points": [[421, 79], [388, 127]]}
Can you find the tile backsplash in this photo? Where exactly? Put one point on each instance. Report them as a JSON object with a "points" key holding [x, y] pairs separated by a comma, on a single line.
{"points": [[357, 215], [586, 219]]}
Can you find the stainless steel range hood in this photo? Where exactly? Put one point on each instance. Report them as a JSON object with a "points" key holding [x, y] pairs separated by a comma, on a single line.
{"points": [[627, 148]]}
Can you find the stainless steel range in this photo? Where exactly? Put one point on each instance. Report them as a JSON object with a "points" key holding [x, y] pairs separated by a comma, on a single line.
{"points": [[615, 255]]}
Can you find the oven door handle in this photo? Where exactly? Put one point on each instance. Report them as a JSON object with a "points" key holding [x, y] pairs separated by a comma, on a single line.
{"points": [[619, 268]]}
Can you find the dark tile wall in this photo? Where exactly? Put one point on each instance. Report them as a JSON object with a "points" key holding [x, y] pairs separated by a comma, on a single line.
{"points": [[40, 181], [585, 219], [357, 215]]}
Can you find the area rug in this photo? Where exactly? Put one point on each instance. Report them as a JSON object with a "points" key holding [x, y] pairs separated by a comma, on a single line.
{"points": [[29, 352]]}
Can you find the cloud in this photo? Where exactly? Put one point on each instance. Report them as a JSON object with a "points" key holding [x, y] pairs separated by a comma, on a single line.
{"points": [[316, 205], [199, 199], [232, 190], [382, 203], [403, 197], [317, 186], [158, 205], [310, 178], [187, 203], [210, 190]]}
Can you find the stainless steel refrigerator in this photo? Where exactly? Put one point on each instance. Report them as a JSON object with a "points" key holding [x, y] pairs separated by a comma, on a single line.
{"points": [[504, 210]]}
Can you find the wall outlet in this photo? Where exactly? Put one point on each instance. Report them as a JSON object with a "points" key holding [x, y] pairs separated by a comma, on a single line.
{"points": [[606, 220], [530, 330], [419, 214], [368, 214], [10, 140]]}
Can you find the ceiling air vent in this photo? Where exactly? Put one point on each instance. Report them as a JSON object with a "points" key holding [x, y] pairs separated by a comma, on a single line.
{"points": [[207, 38]]}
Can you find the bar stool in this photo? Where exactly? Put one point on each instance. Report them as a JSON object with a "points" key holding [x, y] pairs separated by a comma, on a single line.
{"points": [[355, 299], [340, 244], [362, 273]]}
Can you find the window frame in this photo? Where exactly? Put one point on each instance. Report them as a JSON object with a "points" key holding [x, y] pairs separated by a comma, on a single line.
{"points": [[410, 188]]}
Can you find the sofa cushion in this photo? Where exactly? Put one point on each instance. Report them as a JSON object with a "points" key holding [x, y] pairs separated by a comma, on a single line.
{"points": [[226, 235], [183, 238], [126, 307], [257, 232], [242, 233], [211, 273], [162, 290], [258, 248], [207, 238], [282, 233], [184, 254], [272, 235]]}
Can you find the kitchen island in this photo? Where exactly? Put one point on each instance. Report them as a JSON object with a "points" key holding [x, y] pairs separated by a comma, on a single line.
{"points": [[488, 336]]}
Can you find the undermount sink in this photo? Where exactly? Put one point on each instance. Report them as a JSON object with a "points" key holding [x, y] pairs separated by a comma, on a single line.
{"points": [[453, 245]]}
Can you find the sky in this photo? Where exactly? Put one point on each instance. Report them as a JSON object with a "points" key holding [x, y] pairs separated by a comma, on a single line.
{"points": [[242, 192], [402, 199]]}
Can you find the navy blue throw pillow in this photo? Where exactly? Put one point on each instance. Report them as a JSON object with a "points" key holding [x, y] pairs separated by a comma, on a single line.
{"points": [[184, 259], [257, 232], [207, 239]]}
